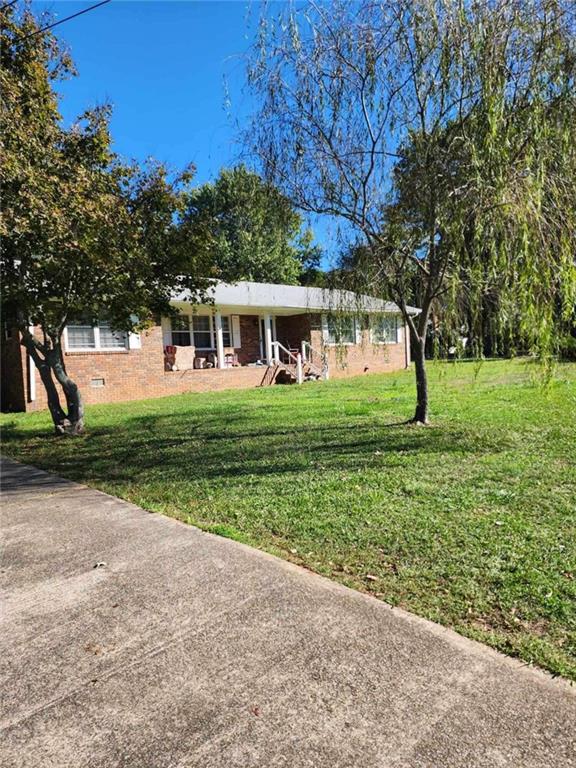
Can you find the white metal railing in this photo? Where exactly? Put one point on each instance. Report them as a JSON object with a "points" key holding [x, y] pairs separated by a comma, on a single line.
{"points": [[310, 355]]}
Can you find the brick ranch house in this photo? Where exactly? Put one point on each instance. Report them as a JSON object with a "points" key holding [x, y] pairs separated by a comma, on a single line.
{"points": [[254, 334]]}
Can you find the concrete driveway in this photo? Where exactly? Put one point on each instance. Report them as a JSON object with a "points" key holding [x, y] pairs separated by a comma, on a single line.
{"points": [[186, 649]]}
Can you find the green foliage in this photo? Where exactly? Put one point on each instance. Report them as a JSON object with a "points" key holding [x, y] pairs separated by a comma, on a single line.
{"points": [[330, 476], [567, 349], [488, 194], [82, 234], [442, 133], [248, 229]]}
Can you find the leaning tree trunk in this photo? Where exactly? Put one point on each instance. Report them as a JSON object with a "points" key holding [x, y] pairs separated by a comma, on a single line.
{"points": [[74, 424], [49, 364], [56, 411]]}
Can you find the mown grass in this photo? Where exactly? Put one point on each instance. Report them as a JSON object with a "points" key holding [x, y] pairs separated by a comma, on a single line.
{"points": [[470, 522]]}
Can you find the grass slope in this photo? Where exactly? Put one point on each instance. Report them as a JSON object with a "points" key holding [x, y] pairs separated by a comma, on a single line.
{"points": [[470, 522]]}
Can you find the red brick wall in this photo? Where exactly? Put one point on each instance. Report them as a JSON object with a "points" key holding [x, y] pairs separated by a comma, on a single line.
{"points": [[250, 338], [212, 379], [292, 330], [139, 373], [350, 360], [366, 357], [126, 373]]}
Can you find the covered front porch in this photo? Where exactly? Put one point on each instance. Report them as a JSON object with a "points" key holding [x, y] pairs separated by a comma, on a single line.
{"points": [[229, 338]]}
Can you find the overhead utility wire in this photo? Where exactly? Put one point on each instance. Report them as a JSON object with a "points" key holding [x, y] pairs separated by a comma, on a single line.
{"points": [[61, 21]]}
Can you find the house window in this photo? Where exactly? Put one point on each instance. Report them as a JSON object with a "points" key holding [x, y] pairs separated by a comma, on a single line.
{"points": [[110, 339], [385, 330], [83, 335], [199, 330], [202, 331], [341, 330], [226, 332], [181, 331]]}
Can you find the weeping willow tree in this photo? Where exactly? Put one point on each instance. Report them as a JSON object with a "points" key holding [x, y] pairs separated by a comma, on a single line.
{"points": [[442, 133]]}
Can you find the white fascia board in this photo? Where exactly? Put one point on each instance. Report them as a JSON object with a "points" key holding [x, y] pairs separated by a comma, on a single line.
{"points": [[272, 296]]}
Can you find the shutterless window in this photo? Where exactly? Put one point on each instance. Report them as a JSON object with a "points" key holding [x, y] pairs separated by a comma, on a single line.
{"points": [[110, 339], [341, 330], [226, 332], [385, 330], [81, 336], [202, 331], [181, 331]]}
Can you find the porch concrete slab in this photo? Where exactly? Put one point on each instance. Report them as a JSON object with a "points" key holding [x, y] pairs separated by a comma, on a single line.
{"points": [[184, 649]]}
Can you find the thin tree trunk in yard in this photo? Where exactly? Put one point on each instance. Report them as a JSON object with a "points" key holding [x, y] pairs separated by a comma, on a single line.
{"points": [[418, 346], [421, 413]]}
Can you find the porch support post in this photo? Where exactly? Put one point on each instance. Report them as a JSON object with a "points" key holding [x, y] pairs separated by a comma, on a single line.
{"points": [[268, 338], [219, 339], [31, 374], [299, 369]]}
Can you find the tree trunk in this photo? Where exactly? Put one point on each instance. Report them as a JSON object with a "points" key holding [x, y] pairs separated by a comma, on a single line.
{"points": [[418, 333], [75, 422], [421, 413], [56, 411], [71, 423]]}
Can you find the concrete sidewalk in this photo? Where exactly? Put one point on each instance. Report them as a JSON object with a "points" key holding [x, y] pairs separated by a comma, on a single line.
{"points": [[186, 649]]}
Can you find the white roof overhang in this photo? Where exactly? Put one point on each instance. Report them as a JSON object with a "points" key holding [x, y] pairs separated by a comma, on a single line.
{"points": [[247, 296]]}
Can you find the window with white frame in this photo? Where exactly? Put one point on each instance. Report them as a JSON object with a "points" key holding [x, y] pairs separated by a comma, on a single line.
{"points": [[385, 329], [80, 336], [227, 331], [341, 329], [181, 331], [110, 339], [202, 332], [83, 335]]}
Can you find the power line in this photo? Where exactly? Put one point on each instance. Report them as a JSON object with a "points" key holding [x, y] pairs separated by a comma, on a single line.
{"points": [[7, 5], [67, 18]]}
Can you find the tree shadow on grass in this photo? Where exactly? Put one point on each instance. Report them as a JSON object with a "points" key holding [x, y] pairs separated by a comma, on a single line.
{"points": [[217, 445]]}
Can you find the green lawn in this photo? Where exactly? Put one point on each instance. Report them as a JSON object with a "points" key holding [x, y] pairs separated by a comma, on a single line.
{"points": [[470, 522]]}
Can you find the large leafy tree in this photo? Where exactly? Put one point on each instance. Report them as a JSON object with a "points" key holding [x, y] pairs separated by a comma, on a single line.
{"points": [[442, 133], [248, 229], [82, 234]]}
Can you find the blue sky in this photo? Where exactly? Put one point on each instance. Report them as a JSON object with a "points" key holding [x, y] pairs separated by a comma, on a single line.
{"points": [[163, 67]]}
